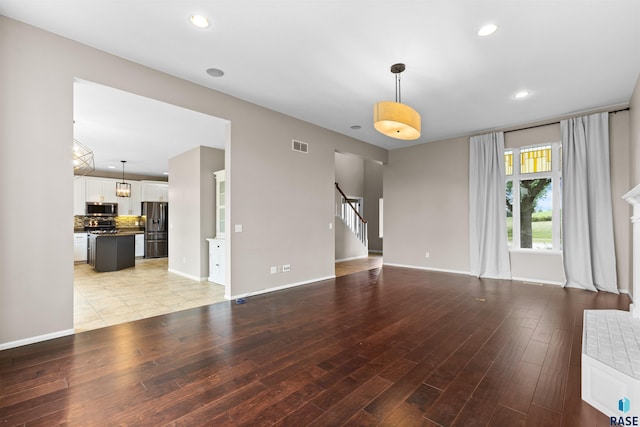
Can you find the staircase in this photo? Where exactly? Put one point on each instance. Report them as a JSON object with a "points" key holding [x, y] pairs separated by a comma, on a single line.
{"points": [[353, 221]]}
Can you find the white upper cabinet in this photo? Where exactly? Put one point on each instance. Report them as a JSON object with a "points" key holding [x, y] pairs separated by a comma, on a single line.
{"points": [[153, 191], [101, 190], [93, 189], [221, 200], [79, 196], [130, 205]]}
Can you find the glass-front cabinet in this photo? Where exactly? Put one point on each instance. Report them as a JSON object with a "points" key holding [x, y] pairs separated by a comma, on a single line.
{"points": [[220, 204]]}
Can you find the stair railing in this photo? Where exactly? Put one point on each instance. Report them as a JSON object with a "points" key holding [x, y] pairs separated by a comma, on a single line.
{"points": [[351, 216]]}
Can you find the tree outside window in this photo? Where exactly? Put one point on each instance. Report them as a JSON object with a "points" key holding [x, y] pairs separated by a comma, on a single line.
{"points": [[533, 200]]}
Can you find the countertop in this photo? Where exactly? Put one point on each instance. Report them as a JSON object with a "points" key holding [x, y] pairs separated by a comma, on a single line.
{"points": [[121, 232]]}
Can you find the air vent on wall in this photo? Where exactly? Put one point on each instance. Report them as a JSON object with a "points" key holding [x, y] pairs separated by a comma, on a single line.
{"points": [[300, 146]]}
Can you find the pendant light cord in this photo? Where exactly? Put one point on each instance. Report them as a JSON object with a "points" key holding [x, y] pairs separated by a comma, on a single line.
{"points": [[398, 95]]}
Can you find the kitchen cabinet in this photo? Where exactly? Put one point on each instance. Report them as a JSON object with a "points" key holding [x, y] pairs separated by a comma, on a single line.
{"points": [[154, 191], [111, 252], [100, 190], [221, 196], [217, 261], [79, 196], [79, 247], [139, 244], [130, 205]]}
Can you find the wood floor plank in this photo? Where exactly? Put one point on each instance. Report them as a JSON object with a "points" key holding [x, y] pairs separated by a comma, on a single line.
{"points": [[392, 346]]}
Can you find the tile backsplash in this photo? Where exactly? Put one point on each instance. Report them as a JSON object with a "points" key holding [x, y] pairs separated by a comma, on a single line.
{"points": [[128, 221]]}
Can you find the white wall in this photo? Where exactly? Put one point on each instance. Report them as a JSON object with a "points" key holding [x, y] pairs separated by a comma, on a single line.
{"points": [[192, 210], [283, 199]]}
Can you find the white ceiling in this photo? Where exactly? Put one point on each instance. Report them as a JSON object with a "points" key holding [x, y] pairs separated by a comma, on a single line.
{"points": [[146, 133], [327, 61]]}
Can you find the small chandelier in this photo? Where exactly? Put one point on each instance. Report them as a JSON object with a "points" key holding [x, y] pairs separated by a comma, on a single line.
{"points": [[123, 189], [395, 119], [82, 159]]}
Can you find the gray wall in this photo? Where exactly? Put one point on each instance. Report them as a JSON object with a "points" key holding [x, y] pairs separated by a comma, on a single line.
{"points": [[426, 205], [192, 210], [283, 199], [350, 174], [373, 180]]}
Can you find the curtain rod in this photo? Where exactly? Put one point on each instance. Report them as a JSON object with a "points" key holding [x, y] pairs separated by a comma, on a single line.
{"points": [[555, 123]]}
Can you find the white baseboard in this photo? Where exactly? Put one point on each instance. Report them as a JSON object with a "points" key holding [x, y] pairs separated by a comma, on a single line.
{"points": [[279, 288], [416, 267], [188, 276], [352, 258], [39, 338], [527, 280]]}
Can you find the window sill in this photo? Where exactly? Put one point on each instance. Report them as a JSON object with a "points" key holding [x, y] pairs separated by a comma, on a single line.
{"points": [[536, 251]]}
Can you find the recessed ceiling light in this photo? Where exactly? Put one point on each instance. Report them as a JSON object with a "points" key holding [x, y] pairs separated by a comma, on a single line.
{"points": [[199, 21], [111, 167], [356, 127], [165, 173], [215, 72], [487, 30], [522, 94]]}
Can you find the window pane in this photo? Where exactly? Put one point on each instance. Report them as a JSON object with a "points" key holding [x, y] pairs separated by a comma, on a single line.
{"points": [[536, 159], [509, 210], [536, 213], [508, 163]]}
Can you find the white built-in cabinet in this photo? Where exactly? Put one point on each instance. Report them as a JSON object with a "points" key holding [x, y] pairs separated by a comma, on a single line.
{"points": [[216, 261], [217, 245], [94, 189], [153, 191], [221, 200]]}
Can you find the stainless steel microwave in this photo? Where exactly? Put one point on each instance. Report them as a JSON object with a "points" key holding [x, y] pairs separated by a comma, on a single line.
{"points": [[101, 209]]}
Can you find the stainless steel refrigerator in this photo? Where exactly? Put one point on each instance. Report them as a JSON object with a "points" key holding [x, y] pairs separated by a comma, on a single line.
{"points": [[156, 236]]}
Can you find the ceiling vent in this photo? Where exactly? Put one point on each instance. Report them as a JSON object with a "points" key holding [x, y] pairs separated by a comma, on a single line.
{"points": [[300, 146]]}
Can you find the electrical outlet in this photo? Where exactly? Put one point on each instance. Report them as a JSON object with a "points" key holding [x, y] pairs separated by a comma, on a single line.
{"points": [[274, 269], [427, 255], [286, 268]]}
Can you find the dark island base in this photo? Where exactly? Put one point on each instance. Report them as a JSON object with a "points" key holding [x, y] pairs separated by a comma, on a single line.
{"points": [[111, 252]]}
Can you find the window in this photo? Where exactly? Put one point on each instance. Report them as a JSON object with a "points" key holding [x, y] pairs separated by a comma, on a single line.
{"points": [[533, 197]]}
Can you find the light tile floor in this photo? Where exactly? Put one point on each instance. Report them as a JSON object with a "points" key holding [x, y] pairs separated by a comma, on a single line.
{"points": [[146, 290]]}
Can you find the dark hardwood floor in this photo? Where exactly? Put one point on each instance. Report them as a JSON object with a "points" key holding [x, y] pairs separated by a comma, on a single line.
{"points": [[388, 346]]}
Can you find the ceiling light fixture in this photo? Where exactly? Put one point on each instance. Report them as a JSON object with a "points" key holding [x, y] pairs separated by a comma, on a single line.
{"points": [[82, 159], [199, 21], [522, 94], [123, 189], [395, 119], [487, 30]]}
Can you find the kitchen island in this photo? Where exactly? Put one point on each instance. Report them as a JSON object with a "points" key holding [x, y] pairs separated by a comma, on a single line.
{"points": [[111, 252]]}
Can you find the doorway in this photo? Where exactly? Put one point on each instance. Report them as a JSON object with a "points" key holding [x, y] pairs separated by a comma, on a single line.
{"points": [[116, 125]]}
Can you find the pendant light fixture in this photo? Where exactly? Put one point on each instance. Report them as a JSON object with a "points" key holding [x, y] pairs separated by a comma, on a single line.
{"points": [[395, 119], [123, 189]]}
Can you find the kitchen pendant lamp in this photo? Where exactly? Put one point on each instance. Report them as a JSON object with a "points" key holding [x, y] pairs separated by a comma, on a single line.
{"points": [[123, 189], [395, 119]]}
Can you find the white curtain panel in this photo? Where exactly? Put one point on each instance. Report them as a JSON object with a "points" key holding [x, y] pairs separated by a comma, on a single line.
{"points": [[489, 254], [587, 218]]}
